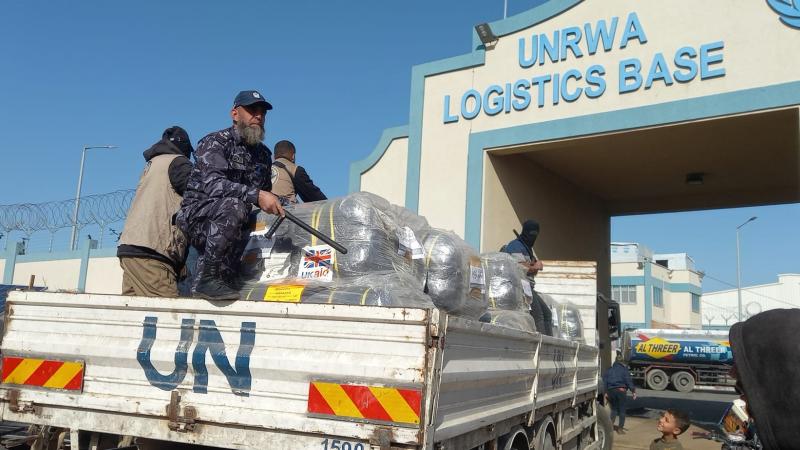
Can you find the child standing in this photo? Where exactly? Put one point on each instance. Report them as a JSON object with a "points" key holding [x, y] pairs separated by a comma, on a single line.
{"points": [[671, 425]]}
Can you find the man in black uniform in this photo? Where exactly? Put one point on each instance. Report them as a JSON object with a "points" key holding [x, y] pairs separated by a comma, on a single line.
{"points": [[230, 177]]}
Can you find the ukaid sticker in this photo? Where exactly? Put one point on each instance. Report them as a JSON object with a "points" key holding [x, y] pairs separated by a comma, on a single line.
{"points": [[317, 263], [408, 244]]}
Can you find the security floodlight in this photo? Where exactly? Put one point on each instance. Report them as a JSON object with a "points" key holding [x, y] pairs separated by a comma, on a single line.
{"points": [[485, 34]]}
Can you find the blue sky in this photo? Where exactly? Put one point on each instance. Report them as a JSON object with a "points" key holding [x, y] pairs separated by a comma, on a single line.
{"points": [[338, 73]]}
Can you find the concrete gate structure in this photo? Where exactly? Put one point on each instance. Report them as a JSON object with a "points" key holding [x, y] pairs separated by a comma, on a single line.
{"points": [[584, 110]]}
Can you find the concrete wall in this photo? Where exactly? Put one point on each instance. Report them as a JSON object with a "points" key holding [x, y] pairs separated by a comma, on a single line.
{"points": [[722, 305], [387, 177], [104, 276], [574, 226], [86, 269], [57, 274]]}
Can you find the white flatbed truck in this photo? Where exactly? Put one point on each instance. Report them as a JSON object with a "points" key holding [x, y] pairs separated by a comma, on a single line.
{"points": [[99, 370]]}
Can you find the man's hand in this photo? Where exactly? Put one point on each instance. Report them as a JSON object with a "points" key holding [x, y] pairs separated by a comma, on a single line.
{"points": [[537, 265], [268, 202], [634, 395]]}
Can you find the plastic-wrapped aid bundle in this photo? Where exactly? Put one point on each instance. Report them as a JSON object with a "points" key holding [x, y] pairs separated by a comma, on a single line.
{"points": [[569, 322], [454, 278], [518, 320], [361, 222], [387, 289], [504, 282]]}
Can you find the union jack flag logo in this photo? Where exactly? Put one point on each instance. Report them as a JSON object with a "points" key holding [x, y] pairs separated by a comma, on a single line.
{"points": [[317, 257]]}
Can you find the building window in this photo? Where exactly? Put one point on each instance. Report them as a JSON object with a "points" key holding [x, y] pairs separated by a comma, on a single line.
{"points": [[695, 303], [658, 297], [624, 295]]}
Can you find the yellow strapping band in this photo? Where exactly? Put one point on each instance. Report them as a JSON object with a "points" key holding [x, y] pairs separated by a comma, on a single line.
{"points": [[364, 297]]}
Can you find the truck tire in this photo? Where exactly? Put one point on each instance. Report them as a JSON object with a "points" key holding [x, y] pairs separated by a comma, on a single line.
{"points": [[605, 429], [683, 381], [657, 379], [545, 437]]}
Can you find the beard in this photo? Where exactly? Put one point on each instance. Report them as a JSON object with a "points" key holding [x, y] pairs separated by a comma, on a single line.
{"points": [[252, 134]]}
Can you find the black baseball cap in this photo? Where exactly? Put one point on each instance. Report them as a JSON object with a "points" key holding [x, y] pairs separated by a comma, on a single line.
{"points": [[246, 98]]}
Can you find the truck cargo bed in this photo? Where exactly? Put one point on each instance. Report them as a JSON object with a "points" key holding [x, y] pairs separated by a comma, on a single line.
{"points": [[251, 375]]}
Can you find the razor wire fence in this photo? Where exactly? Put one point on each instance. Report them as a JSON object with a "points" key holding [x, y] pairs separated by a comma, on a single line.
{"points": [[32, 221]]}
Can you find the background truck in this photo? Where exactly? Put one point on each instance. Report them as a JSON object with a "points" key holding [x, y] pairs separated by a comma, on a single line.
{"points": [[680, 358], [96, 370]]}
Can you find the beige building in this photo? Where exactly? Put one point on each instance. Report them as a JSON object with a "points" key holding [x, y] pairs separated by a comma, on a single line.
{"points": [[577, 111], [655, 290], [721, 308]]}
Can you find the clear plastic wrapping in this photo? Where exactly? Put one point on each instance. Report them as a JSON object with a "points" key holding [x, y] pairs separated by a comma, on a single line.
{"points": [[379, 289], [454, 278], [518, 320], [504, 282], [567, 322], [361, 222]]}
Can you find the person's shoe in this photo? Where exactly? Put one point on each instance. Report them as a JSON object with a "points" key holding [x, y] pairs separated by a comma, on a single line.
{"points": [[616, 428], [212, 287], [621, 430]]}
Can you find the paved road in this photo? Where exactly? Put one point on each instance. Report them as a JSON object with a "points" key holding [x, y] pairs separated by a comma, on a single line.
{"points": [[704, 406]]}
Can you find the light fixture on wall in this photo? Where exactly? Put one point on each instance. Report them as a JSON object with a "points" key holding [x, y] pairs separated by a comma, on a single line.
{"points": [[485, 34], [695, 178]]}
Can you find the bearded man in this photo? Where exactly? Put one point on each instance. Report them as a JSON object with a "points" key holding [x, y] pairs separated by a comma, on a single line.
{"points": [[231, 176]]}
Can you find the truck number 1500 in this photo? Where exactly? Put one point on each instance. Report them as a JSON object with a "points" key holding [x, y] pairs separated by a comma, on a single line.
{"points": [[337, 444]]}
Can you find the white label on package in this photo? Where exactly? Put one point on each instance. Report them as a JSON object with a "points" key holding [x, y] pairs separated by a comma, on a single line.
{"points": [[317, 263], [408, 244], [476, 277], [261, 243], [526, 288]]}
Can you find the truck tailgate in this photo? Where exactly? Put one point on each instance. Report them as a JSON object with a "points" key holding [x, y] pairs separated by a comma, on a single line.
{"points": [[267, 367]]}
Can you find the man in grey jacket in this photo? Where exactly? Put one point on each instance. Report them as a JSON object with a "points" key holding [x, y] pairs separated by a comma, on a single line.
{"points": [[152, 250]]}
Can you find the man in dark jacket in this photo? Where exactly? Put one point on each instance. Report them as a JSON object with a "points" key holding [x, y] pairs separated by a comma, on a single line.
{"points": [[231, 176], [151, 249], [618, 382], [290, 180], [766, 355], [522, 249]]}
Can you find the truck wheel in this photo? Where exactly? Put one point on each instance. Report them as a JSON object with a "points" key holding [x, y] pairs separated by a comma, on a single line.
{"points": [[545, 437], [683, 381], [605, 429], [657, 379]]}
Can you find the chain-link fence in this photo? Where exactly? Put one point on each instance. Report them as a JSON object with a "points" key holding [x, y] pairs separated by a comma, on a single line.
{"points": [[40, 225]]}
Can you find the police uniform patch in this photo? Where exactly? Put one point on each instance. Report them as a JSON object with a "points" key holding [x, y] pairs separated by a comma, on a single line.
{"points": [[273, 174]]}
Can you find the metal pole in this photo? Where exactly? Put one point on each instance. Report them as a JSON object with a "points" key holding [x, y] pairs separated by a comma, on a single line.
{"points": [[738, 275], [739, 266], [74, 237], [505, 9]]}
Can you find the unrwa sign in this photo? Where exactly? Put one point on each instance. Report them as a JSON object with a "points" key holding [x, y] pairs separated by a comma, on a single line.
{"points": [[682, 65]]}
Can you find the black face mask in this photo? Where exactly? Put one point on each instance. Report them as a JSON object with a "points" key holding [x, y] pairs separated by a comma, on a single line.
{"points": [[529, 238], [530, 231]]}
